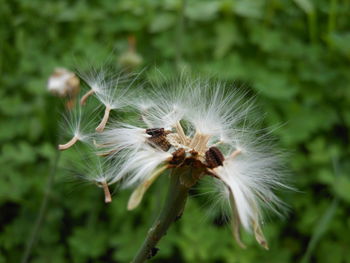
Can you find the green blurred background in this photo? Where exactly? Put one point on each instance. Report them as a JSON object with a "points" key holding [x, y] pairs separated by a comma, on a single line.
{"points": [[294, 54]]}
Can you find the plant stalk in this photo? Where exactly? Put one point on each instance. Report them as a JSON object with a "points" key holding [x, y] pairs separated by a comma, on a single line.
{"points": [[42, 211], [171, 211]]}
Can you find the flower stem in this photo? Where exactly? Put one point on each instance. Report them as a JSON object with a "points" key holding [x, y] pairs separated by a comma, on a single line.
{"points": [[42, 211], [172, 209]]}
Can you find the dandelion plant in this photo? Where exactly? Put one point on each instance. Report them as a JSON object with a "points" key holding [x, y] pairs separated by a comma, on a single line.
{"points": [[190, 129]]}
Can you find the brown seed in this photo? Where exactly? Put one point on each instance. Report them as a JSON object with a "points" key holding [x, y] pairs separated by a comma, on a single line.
{"points": [[161, 142], [158, 138], [214, 157], [155, 131]]}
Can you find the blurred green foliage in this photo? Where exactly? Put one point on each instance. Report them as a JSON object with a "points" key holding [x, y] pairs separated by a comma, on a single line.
{"points": [[294, 54]]}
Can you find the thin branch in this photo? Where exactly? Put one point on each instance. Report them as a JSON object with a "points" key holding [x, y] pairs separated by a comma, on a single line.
{"points": [[42, 211]]}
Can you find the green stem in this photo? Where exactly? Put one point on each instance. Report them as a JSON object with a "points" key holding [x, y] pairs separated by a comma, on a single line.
{"points": [[172, 209], [42, 211]]}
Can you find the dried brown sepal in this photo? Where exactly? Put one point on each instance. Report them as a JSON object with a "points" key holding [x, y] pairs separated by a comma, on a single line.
{"points": [[214, 157], [194, 162], [259, 236], [194, 153], [178, 157]]}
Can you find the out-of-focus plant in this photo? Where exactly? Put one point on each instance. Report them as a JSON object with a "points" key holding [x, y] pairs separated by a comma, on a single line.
{"points": [[294, 54], [130, 59], [65, 84]]}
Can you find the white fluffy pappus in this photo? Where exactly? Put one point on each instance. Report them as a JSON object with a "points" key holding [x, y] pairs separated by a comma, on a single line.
{"points": [[192, 122], [217, 110], [252, 177], [121, 137], [166, 104], [96, 170], [77, 125], [136, 166], [112, 90]]}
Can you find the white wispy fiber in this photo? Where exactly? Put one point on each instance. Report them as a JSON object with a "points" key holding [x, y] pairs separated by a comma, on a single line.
{"points": [[217, 110], [252, 179], [166, 104], [96, 169], [77, 126], [98, 79], [120, 137], [136, 166], [251, 176], [112, 90]]}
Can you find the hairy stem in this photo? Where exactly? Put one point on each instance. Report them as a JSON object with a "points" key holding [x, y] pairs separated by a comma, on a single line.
{"points": [[172, 209]]}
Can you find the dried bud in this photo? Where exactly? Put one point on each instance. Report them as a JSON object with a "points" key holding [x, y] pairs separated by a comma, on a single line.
{"points": [[130, 59], [63, 83]]}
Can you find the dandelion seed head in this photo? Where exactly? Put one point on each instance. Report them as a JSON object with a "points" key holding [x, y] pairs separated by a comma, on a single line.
{"points": [[189, 124]]}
